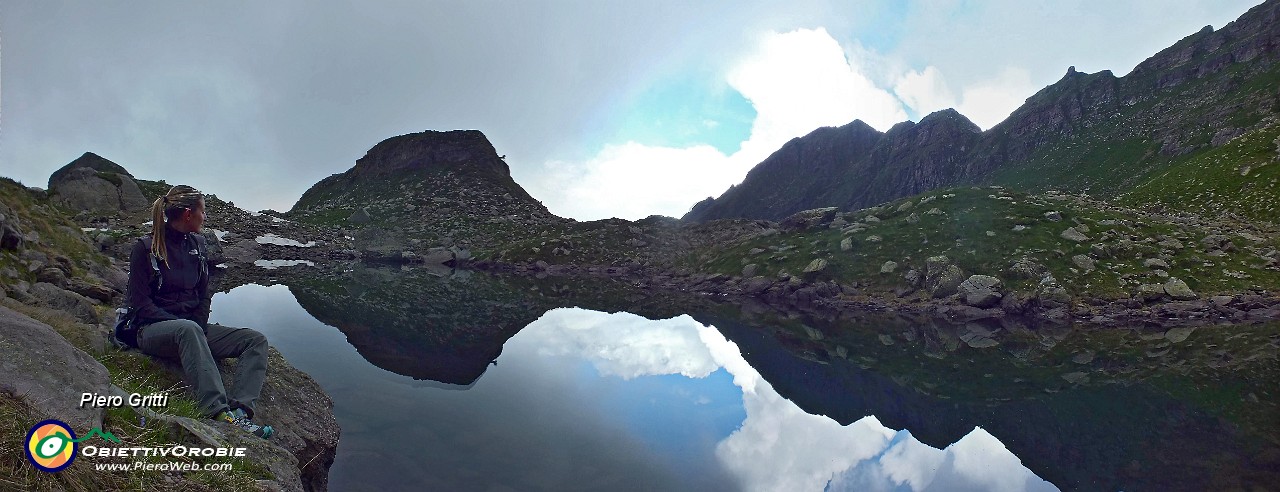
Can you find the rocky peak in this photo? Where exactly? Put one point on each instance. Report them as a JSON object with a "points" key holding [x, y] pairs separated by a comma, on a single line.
{"points": [[459, 151], [90, 160], [1255, 35], [94, 183]]}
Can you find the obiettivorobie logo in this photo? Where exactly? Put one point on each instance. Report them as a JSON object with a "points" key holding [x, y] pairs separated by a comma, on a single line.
{"points": [[52, 445]]}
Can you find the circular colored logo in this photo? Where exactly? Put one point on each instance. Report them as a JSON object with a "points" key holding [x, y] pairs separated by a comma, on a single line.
{"points": [[51, 445]]}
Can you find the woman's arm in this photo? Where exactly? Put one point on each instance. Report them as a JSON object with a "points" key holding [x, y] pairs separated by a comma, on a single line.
{"points": [[206, 299], [141, 286]]}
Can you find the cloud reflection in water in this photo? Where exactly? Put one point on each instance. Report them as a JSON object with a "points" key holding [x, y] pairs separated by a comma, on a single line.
{"points": [[777, 446]]}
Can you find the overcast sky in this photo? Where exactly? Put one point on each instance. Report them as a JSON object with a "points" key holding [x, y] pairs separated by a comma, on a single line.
{"points": [[603, 108]]}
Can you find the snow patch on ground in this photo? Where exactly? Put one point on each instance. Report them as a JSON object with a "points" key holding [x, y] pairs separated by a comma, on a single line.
{"points": [[282, 241], [274, 264]]}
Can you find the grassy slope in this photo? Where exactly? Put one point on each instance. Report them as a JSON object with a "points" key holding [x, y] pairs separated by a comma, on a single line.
{"points": [[961, 233], [1241, 177]]}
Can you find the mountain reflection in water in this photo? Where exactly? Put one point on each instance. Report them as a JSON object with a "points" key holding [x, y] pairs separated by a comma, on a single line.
{"points": [[586, 400]]}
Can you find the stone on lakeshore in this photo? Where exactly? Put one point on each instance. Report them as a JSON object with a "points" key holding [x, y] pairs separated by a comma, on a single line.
{"points": [[1179, 290], [888, 267]]}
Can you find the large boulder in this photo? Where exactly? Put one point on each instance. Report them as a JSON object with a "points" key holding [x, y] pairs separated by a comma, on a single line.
{"points": [[81, 187], [54, 297], [809, 219], [302, 415], [941, 277], [981, 291], [301, 451], [1179, 290], [48, 373], [11, 236]]}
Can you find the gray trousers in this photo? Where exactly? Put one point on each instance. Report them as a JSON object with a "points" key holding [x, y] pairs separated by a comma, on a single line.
{"points": [[197, 351]]}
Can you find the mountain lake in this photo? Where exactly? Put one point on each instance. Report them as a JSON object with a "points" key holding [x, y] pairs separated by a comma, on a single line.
{"points": [[446, 380]]}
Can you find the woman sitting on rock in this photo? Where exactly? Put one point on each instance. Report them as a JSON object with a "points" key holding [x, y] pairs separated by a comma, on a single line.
{"points": [[169, 297]]}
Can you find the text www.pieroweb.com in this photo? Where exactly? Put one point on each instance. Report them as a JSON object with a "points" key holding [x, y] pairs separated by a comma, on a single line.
{"points": [[171, 466]]}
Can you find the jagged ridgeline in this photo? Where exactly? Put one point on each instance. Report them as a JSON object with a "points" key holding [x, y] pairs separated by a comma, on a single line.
{"points": [[435, 187], [1155, 129]]}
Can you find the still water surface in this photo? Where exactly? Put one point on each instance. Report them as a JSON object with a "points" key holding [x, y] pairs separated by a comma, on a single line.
{"points": [[584, 400], [469, 382]]}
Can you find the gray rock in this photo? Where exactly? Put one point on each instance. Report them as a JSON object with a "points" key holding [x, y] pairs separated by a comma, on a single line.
{"points": [[1171, 244], [888, 267], [912, 219], [978, 283], [1179, 334], [906, 206], [1053, 216], [360, 217], [982, 291], [1179, 290], [243, 251], [934, 211], [85, 189], [91, 290], [934, 265], [873, 239], [756, 285], [1053, 296], [54, 297], [871, 219], [1071, 234], [755, 251], [51, 275], [437, 256], [1085, 262], [946, 282], [1155, 263], [1151, 292], [750, 270], [913, 277], [47, 373], [846, 244], [1027, 268], [817, 265]]}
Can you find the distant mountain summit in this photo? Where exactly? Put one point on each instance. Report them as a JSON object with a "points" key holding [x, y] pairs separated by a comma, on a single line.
{"points": [[422, 190], [1086, 132]]}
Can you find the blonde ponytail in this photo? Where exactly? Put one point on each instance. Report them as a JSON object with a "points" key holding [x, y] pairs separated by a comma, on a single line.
{"points": [[169, 207]]}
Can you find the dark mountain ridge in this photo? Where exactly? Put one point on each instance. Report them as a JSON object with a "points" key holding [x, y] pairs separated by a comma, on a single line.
{"points": [[1086, 132]]}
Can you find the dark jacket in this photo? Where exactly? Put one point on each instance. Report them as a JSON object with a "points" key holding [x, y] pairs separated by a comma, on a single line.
{"points": [[184, 291]]}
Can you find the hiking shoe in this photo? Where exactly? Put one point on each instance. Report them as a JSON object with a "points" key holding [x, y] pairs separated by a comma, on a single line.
{"points": [[239, 419]]}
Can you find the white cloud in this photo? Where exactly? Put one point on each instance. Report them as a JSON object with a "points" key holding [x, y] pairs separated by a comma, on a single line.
{"points": [[924, 91], [634, 181], [801, 80], [624, 344], [985, 102], [797, 81], [990, 101]]}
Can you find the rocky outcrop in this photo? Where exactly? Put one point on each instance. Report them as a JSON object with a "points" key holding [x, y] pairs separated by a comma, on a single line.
{"points": [[423, 190], [96, 184], [47, 373]]}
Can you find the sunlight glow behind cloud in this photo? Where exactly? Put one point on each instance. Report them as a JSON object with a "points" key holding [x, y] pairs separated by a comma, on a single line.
{"points": [[796, 81]]}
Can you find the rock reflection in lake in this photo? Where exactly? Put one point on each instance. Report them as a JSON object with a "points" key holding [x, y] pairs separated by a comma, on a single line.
{"points": [[1085, 409], [589, 400]]}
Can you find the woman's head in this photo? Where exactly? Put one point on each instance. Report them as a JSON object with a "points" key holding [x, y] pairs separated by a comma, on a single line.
{"points": [[183, 209]]}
